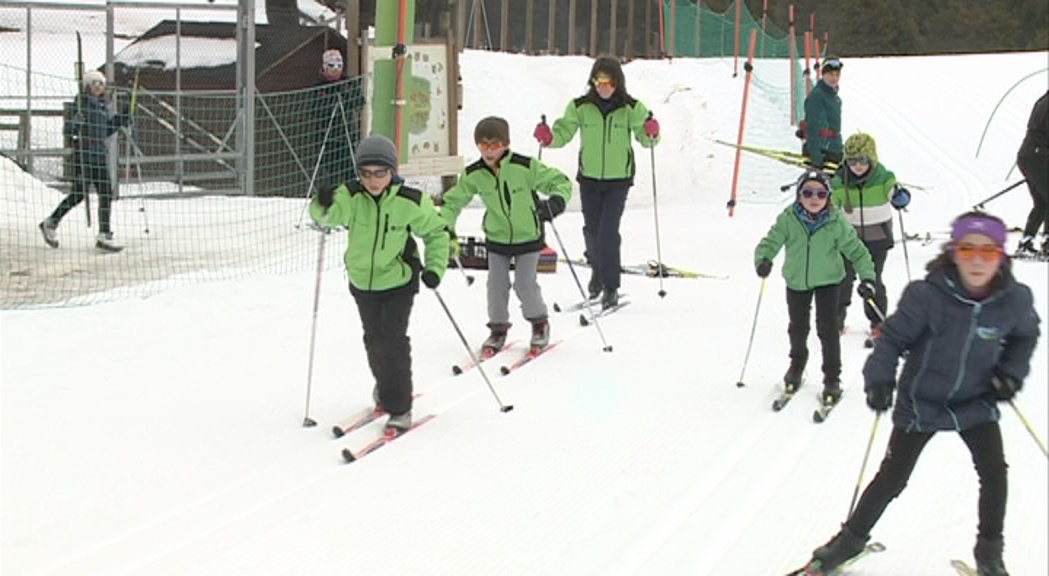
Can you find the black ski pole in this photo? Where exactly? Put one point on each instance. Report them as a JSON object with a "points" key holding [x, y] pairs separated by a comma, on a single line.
{"points": [[753, 329], [308, 422], [473, 355], [79, 123], [997, 194], [863, 466], [655, 213], [906, 256]]}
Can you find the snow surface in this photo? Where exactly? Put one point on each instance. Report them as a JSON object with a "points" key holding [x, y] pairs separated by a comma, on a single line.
{"points": [[163, 435]]}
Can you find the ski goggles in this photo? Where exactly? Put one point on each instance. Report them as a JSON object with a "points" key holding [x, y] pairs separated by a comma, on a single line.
{"points": [[985, 252], [377, 173], [832, 65], [333, 66], [603, 82], [814, 191], [96, 84], [488, 146], [858, 161]]}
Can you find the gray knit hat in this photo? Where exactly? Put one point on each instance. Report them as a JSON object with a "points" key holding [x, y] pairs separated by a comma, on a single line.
{"points": [[377, 150]]}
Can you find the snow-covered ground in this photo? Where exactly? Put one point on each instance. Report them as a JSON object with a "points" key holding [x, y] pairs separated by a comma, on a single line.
{"points": [[163, 435]]}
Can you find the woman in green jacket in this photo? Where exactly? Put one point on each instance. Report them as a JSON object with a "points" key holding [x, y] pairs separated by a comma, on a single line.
{"points": [[381, 215], [816, 237], [606, 117]]}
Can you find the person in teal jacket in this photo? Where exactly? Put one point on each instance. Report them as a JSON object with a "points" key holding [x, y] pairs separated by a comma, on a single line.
{"points": [[513, 225], [606, 117], [815, 237], [866, 192], [821, 128], [381, 216]]}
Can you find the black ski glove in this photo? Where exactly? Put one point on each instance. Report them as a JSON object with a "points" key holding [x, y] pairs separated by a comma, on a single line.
{"points": [[431, 279], [879, 398], [764, 268], [326, 195], [550, 208], [1005, 387], [866, 289]]}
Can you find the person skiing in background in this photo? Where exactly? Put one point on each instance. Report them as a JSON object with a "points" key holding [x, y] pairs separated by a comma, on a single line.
{"points": [[815, 237], [822, 125], [865, 191], [967, 331], [336, 95], [381, 216], [1033, 161], [513, 225], [89, 123], [606, 117]]}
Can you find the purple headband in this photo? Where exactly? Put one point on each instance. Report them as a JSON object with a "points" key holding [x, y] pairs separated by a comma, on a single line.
{"points": [[989, 227]]}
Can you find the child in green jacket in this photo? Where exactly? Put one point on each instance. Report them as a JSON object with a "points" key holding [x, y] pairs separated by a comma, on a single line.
{"points": [[381, 216], [607, 117], [816, 237], [513, 225]]}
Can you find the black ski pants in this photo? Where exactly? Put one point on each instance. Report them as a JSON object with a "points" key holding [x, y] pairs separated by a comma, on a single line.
{"points": [[985, 446], [92, 175], [602, 210], [384, 317], [799, 307], [1035, 168], [881, 298]]}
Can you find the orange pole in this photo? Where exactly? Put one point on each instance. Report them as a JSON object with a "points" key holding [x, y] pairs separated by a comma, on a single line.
{"points": [[808, 57], [793, 59], [399, 110], [748, 67], [816, 61], [735, 41]]}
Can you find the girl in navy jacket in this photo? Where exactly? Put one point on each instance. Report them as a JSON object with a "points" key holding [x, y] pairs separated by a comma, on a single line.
{"points": [[968, 331]]}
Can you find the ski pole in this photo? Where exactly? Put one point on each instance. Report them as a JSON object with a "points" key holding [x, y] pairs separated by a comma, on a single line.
{"points": [[473, 355], [605, 346], [997, 194], [753, 329], [655, 213], [1030, 429], [308, 422], [906, 256], [316, 168], [459, 264], [863, 466]]}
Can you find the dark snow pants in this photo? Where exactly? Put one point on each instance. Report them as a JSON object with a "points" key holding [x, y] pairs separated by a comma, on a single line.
{"points": [[799, 307], [985, 446], [384, 317], [1035, 169], [602, 210], [881, 298], [94, 175]]}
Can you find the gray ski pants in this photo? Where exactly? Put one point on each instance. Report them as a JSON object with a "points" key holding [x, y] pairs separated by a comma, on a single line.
{"points": [[525, 285]]}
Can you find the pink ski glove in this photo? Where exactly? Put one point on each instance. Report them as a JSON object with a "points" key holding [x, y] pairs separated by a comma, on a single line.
{"points": [[652, 128], [543, 134]]}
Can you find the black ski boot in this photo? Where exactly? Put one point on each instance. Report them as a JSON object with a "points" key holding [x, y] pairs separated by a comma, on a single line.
{"points": [[792, 379], [843, 546], [831, 391], [610, 299], [496, 339], [988, 555]]}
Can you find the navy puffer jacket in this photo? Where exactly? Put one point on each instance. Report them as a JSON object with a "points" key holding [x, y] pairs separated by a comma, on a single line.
{"points": [[955, 346]]}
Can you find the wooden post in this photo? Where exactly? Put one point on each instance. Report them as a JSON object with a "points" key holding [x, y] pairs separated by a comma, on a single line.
{"points": [[528, 26], [478, 7], [612, 29], [648, 28], [571, 26], [453, 89], [629, 53], [551, 29], [699, 25], [504, 26], [353, 37], [594, 33], [673, 26]]}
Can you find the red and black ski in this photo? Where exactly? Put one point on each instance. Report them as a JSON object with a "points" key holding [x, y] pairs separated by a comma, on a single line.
{"points": [[531, 354], [388, 435]]}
